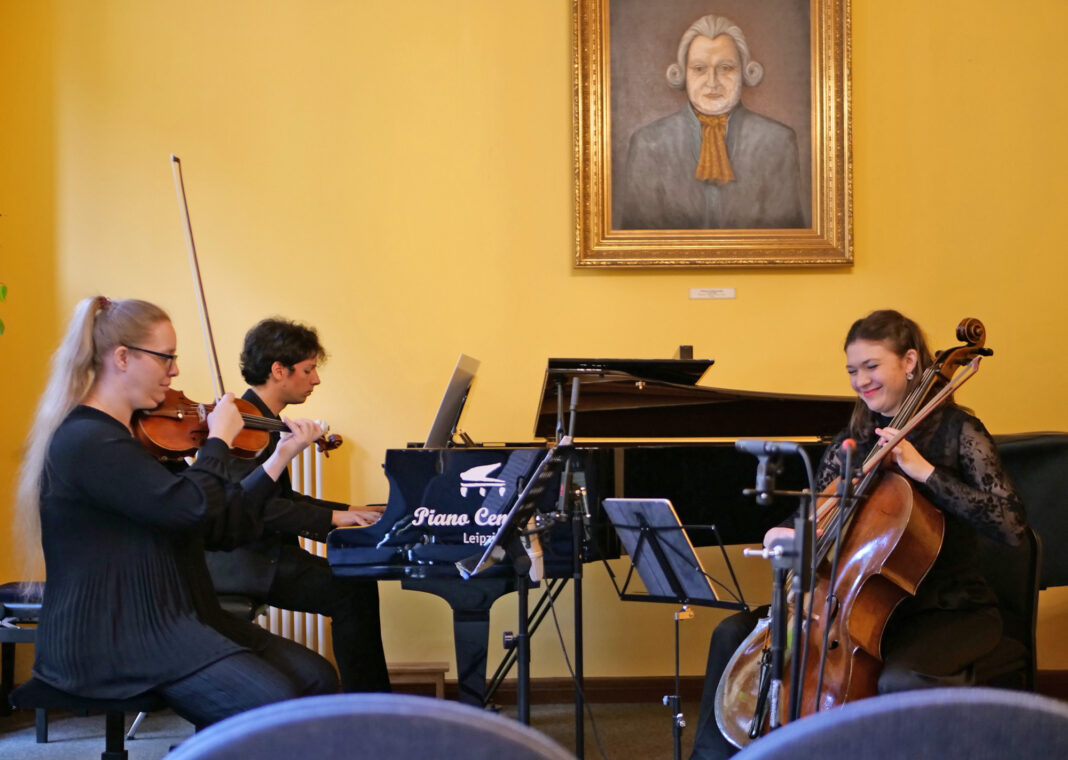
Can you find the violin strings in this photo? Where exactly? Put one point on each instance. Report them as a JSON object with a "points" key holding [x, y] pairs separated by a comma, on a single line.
{"points": [[264, 423]]}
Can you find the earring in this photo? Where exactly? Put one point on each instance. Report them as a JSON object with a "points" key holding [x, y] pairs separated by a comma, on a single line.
{"points": [[908, 375]]}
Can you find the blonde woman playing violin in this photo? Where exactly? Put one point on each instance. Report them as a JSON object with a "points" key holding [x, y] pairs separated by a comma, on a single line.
{"points": [[128, 605]]}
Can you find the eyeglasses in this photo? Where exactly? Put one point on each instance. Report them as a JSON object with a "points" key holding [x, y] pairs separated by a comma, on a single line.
{"points": [[169, 359]]}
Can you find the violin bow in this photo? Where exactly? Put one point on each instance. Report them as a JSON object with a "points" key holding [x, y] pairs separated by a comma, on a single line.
{"points": [[198, 285]]}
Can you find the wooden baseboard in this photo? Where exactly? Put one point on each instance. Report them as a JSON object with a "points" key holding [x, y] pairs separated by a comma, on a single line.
{"points": [[1052, 683], [598, 690]]}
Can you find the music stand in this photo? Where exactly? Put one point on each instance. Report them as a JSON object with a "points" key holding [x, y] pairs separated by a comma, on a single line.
{"points": [[661, 553], [508, 542]]}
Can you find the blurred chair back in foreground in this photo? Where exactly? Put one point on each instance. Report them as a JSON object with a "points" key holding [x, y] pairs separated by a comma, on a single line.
{"points": [[397, 726], [943, 724]]}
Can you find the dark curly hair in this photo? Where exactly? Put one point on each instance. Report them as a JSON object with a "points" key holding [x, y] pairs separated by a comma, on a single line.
{"points": [[277, 340]]}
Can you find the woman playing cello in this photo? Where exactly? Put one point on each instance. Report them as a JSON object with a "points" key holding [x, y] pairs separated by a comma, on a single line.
{"points": [[128, 605], [935, 637]]}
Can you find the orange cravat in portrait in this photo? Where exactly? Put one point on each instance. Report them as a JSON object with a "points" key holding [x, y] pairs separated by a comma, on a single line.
{"points": [[713, 165]]}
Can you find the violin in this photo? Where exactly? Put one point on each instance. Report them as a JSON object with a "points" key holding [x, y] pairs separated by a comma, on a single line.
{"points": [[179, 426]]}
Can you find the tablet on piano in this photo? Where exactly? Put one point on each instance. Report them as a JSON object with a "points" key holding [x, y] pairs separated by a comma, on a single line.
{"points": [[452, 403]]}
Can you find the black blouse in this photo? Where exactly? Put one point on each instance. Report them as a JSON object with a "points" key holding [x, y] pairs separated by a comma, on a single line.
{"points": [[970, 485], [120, 609]]}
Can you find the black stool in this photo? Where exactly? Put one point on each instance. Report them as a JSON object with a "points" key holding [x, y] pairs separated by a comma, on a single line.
{"points": [[16, 611], [40, 697]]}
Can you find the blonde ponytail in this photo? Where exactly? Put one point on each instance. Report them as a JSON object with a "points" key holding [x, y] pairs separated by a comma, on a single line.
{"points": [[98, 326]]}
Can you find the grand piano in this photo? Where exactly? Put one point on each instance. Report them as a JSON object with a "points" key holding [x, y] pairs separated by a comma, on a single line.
{"points": [[446, 504]]}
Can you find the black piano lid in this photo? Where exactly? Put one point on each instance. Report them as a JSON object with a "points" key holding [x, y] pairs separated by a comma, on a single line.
{"points": [[660, 398], [678, 371]]}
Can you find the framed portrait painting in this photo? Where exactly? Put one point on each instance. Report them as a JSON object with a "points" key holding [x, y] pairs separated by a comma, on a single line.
{"points": [[712, 133]]}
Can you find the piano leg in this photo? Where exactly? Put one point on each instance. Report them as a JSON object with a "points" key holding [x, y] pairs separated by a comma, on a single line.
{"points": [[470, 601], [471, 635]]}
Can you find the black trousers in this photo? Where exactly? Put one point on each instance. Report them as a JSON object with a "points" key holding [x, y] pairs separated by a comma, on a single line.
{"points": [[305, 583], [709, 743], [244, 680]]}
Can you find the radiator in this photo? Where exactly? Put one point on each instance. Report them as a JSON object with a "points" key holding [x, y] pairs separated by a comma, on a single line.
{"points": [[306, 473]]}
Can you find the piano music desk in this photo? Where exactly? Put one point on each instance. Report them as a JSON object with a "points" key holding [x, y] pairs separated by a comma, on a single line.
{"points": [[422, 673]]}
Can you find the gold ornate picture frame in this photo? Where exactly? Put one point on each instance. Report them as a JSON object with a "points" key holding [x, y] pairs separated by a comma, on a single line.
{"points": [[638, 137]]}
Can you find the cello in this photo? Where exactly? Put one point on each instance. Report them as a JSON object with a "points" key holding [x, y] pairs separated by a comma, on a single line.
{"points": [[887, 539]]}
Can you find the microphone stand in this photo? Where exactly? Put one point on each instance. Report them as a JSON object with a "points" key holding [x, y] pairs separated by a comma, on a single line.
{"points": [[804, 527], [578, 527], [769, 465], [782, 562], [786, 556]]}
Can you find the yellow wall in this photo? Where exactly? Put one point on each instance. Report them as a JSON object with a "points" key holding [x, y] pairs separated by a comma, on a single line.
{"points": [[400, 175], [28, 256]]}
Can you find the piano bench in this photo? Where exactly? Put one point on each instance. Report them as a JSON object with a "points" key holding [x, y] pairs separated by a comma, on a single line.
{"points": [[40, 697], [420, 673]]}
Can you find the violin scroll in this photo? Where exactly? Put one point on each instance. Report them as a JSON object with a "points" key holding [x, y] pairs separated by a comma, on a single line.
{"points": [[328, 443]]}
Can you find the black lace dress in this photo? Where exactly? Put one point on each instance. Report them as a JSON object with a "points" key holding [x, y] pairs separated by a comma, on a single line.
{"points": [[933, 637]]}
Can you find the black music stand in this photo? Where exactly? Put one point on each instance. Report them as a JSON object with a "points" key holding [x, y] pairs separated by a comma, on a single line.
{"points": [[508, 543], [664, 559]]}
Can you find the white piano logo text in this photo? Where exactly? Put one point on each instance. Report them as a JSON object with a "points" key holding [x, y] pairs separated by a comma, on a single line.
{"points": [[434, 519]]}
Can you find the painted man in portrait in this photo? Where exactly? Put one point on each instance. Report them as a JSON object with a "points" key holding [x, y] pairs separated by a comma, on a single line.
{"points": [[713, 164]]}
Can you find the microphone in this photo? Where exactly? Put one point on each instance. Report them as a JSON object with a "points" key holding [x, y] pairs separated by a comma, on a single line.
{"points": [[847, 453], [768, 466], [573, 407], [766, 448], [845, 482]]}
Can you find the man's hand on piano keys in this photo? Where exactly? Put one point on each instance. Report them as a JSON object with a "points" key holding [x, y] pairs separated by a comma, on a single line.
{"points": [[357, 514]]}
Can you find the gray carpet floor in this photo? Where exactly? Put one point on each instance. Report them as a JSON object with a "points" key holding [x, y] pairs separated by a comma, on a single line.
{"points": [[71, 737], [626, 732]]}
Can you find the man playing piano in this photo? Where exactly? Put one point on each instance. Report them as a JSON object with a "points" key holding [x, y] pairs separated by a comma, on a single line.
{"points": [[280, 362]]}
